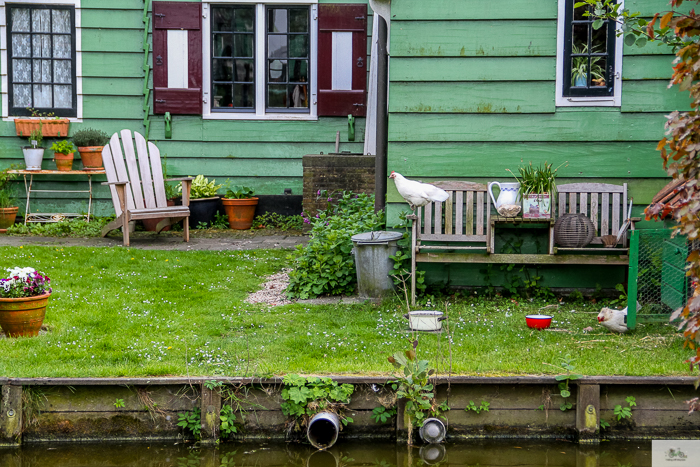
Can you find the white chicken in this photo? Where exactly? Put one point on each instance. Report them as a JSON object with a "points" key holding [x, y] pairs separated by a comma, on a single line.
{"points": [[417, 194], [614, 320]]}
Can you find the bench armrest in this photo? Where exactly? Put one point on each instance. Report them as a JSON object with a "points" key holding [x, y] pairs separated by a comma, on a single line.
{"points": [[114, 183]]}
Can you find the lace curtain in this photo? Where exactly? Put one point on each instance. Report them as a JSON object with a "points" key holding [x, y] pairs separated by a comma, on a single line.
{"points": [[42, 67]]}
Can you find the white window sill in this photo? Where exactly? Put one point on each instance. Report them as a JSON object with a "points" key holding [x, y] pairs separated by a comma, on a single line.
{"points": [[252, 116], [588, 101], [71, 119]]}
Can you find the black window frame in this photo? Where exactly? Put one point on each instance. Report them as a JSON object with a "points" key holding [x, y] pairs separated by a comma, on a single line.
{"points": [[588, 91], [23, 111], [299, 110], [233, 57]]}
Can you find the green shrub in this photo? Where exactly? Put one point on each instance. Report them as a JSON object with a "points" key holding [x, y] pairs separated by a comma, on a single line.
{"points": [[325, 265], [65, 228], [90, 137]]}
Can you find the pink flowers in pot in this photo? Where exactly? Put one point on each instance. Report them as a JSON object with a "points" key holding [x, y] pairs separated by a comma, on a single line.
{"points": [[24, 282]]}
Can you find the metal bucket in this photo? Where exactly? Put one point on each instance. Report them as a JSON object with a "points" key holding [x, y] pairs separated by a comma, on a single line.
{"points": [[372, 252], [323, 430], [433, 431]]}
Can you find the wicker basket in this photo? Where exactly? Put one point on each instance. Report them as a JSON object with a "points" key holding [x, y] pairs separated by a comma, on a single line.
{"points": [[573, 231]]}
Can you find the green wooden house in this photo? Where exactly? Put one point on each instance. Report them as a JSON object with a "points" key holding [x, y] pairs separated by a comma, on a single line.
{"points": [[241, 90]]}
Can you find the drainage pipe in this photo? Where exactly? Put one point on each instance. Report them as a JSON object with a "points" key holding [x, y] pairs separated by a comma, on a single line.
{"points": [[380, 165], [323, 430]]}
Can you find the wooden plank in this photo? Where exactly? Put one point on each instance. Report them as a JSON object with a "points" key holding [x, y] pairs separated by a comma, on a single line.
{"points": [[562, 204], [473, 69], [572, 203], [469, 221], [605, 215], [428, 219], [113, 86], [594, 210], [459, 215], [603, 260], [119, 107], [472, 97], [590, 188], [119, 170], [272, 131], [616, 207], [560, 126], [112, 65], [130, 159], [261, 150], [474, 38], [653, 96], [465, 10], [111, 5], [449, 225], [112, 40], [480, 213], [145, 169], [157, 170], [118, 19], [640, 67], [583, 204], [437, 218]]}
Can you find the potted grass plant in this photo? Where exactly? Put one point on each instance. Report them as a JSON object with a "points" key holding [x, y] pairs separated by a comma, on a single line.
{"points": [[204, 201], [90, 143], [240, 203], [8, 203], [537, 189], [63, 154]]}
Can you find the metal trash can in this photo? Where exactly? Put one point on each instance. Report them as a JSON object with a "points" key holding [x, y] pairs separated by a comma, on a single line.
{"points": [[372, 252]]}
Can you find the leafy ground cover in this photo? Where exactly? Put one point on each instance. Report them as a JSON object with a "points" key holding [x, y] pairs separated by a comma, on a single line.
{"points": [[128, 312]]}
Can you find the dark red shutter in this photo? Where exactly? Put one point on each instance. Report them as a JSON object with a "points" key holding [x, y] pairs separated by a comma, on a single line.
{"points": [[180, 16], [342, 17]]}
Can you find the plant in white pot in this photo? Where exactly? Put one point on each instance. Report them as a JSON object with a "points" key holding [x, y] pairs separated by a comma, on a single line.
{"points": [[34, 153]]}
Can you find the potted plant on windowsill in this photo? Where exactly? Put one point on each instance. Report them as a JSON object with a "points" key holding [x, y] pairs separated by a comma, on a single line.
{"points": [[8, 205], [204, 202], [90, 143], [63, 154], [239, 204], [34, 153], [537, 189], [579, 68], [50, 125]]}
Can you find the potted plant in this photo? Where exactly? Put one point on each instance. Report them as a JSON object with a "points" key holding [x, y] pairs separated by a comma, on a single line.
{"points": [[579, 67], [204, 203], [63, 154], [239, 204], [8, 207], [34, 153], [90, 143], [537, 189], [52, 125], [24, 295]]}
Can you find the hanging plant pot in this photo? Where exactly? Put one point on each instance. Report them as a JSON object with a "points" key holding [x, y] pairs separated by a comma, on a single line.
{"points": [[33, 157], [203, 210], [91, 156], [64, 162], [49, 127], [7, 217], [240, 212], [23, 316]]}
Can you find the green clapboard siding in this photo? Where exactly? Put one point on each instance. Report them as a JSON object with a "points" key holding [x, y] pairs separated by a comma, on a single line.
{"points": [[472, 97], [561, 126], [110, 107], [113, 4], [473, 9], [465, 160], [653, 96], [113, 86], [244, 153], [112, 40], [116, 65], [473, 69], [118, 19], [473, 39], [647, 67]]}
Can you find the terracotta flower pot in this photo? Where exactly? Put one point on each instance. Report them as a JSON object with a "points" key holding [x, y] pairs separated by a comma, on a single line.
{"points": [[151, 224], [7, 217], [49, 127], [23, 316], [240, 212], [91, 156], [64, 162]]}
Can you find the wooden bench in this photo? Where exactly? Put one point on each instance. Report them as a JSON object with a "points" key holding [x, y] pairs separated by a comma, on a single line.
{"points": [[462, 229]]}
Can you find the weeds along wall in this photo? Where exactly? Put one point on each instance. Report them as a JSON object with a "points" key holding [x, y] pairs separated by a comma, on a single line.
{"points": [[263, 154]]}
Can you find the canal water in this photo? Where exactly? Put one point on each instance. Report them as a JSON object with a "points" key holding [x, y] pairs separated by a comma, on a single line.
{"points": [[508, 453]]}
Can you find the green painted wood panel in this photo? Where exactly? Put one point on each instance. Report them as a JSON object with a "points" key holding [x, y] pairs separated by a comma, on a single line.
{"points": [[473, 9], [585, 160], [647, 67], [117, 65], [648, 8], [118, 19], [113, 86], [109, 107], [653, 96], [240, 152], [113, 4], [473, 69], [236, 168], [651, 48], [472, 97], [108, 40], [473, 39], [561, 126]]}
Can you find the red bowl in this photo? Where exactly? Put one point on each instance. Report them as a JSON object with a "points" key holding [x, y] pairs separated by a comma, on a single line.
{"points": [[538, 321]]}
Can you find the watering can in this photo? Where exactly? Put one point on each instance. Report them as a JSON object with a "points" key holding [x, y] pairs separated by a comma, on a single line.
{"points": [[508, 194]]}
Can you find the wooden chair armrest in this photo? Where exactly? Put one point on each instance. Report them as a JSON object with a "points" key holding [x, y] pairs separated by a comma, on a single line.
{"points": [[181, 179], [114, 183]]}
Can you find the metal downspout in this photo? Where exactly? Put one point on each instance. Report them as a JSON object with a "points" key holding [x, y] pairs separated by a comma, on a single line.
{"points": [[382, 128]]}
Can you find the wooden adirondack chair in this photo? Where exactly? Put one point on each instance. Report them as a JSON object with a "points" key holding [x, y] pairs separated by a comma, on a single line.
{"points": [[138, 189]]}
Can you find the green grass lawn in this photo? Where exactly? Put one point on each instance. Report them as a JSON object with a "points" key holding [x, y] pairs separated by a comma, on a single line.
{"points": [[129, 312]]}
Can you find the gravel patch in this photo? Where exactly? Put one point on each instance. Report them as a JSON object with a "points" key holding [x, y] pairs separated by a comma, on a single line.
{"points": [[273, 289]]}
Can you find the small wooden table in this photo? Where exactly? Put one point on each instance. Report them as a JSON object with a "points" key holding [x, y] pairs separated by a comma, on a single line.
{"points": [[526, 223], [55, 217]]}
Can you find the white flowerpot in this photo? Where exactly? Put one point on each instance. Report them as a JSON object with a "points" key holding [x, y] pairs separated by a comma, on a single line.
{"points": [[33, 157], [425, 320]]}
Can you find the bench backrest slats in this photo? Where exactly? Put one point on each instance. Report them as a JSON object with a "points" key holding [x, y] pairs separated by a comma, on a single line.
{"points": [[463, 217]]}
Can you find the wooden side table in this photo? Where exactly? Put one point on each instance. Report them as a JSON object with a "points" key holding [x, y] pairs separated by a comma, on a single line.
{"points": [[55, 217], [520, 222]]}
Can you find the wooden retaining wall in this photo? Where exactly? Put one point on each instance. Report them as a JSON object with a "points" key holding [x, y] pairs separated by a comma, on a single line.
{"points": [[137, 409]]}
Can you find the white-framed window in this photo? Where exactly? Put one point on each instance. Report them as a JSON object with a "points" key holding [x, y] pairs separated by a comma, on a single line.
{"points": [[40, 56], [589, 60], [259, 59]]}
